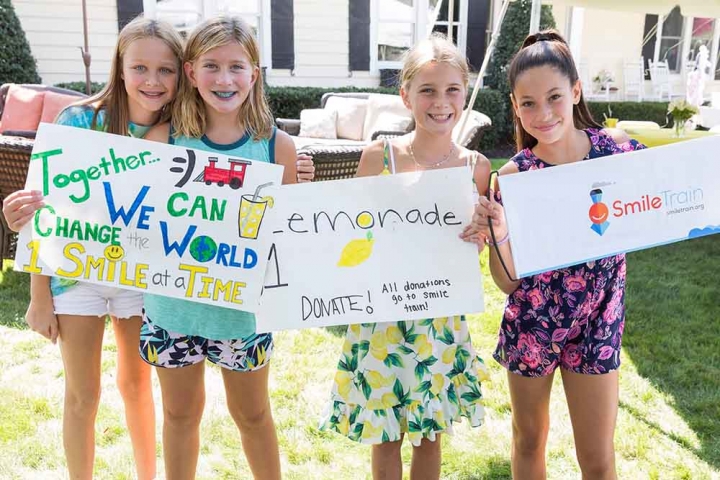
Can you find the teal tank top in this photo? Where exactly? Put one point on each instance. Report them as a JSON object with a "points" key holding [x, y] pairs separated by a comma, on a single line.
{"points": [[200, 319], [81, 116]]}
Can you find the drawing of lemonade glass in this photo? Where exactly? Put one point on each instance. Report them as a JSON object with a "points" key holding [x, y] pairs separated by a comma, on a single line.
{"points": [[252, 211]]}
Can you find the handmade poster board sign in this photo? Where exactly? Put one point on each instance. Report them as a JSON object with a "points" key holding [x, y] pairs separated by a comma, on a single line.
{"points": [[147, 216], [584, 211], [373, 249]]}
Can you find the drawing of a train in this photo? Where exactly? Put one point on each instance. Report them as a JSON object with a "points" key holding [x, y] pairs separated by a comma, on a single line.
{"points": [[233, 176]]}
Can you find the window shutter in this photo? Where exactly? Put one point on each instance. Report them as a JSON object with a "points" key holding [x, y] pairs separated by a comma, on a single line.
{"points": [[359, 42], [127, 10], [648, 50], [282, 18], [478, 18]]}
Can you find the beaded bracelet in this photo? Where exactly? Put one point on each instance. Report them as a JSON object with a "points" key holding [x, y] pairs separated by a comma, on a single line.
{"points": [[497, 244]]}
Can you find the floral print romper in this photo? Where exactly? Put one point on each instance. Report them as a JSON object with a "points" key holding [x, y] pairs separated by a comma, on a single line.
{"points": [[571, 317], [408, 377]]}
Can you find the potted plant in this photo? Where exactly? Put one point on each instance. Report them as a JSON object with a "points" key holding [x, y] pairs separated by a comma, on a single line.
{"points": [[603, 79], [681, 112]]}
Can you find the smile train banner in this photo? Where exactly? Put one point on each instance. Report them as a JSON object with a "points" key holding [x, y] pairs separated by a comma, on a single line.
{"points": [[584, 211]]}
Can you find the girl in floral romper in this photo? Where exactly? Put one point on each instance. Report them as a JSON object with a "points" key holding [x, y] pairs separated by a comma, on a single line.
{"points": [[413, 377], [570, 318]]}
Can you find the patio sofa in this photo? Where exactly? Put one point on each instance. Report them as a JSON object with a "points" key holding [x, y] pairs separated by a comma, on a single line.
{"points": [[336, 133], [22, 108]]}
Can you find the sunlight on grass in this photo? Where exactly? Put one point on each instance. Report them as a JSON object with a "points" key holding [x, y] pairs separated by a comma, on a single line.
{"points": [[668, 423]]}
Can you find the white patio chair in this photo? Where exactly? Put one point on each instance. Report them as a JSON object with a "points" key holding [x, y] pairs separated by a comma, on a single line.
{"points": [[660, 79], [634, 78], [588, 86]]}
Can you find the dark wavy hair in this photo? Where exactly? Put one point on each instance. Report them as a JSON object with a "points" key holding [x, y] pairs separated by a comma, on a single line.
{"points": [[546, 48]]}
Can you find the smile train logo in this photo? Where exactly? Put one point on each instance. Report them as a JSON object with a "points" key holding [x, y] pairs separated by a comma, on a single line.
{"points": [[598, 212]]}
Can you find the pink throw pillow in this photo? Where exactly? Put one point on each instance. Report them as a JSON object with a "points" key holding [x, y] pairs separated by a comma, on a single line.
{"points": [[54, 103], [23, 109]]}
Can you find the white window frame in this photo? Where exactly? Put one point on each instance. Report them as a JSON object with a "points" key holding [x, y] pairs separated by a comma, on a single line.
{"points": [[208, 8], [686, 39], [681, 47], [422, 30]]}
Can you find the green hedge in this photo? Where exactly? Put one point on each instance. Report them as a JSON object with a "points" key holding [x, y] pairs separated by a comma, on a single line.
{"points": [[287, 102], [647, 111], [95, 87]]}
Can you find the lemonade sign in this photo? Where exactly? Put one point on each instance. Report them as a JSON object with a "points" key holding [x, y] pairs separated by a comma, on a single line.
{"points": [[372, 249], [150, 217]]}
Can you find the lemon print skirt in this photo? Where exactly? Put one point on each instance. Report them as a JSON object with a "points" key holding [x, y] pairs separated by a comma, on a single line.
{"points": [[412, 377]]}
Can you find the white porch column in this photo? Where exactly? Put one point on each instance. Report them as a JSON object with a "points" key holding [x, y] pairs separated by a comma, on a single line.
{"points": [[658, 37], [535, 16], [686, 40], [150, 9], [575, 25], [714, 48]]}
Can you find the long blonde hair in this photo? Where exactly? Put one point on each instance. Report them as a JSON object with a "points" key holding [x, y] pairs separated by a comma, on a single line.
{"points": [[436, 49], [189, 114], [113, 98]]}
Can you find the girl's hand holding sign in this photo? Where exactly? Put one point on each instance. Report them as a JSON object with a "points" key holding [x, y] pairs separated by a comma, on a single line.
{"points": [[20, 206]]}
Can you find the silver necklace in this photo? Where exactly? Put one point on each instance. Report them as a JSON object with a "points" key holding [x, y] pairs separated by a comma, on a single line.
{"points": [[432, 165]]}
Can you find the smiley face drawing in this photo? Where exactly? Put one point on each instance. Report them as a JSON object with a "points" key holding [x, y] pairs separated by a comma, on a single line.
{"points": [[114, 253], [598, 212]]}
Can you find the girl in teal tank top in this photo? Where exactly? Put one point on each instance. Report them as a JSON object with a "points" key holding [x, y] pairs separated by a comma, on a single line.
{"points": [[197, 319], [221, 108]]}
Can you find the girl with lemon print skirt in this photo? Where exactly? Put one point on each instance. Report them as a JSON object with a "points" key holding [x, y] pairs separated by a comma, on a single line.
{"points": [[413, 377]]}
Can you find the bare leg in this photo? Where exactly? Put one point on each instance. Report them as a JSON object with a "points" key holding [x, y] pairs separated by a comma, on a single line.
{"points": [[183, 398], [530, 397], [426, 460], [81, 346], [593, 404], [136, 390], [249, 405], [386, 461]]}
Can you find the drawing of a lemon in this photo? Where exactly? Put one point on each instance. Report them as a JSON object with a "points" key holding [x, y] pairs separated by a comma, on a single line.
{"points": [[269, 199], [356, 251]]}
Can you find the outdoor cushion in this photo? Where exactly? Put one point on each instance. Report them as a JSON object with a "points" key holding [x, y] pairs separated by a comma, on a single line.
{"points": [[392, 122], [379, 103], [476, 119], [23, 109], [350, 116], [54, 103], [318, 123], [303, 142]]}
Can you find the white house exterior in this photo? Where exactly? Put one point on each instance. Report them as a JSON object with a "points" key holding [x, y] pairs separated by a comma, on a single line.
{"points": [[55, 33], [333, 43], [602, 39]]}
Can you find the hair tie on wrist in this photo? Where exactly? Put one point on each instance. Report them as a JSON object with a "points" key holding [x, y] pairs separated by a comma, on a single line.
{"points": [[500, 242]]}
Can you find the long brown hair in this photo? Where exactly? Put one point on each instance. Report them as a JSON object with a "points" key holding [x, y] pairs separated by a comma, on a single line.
{"points": [[546, 48], [113, 97], [189, 115]]}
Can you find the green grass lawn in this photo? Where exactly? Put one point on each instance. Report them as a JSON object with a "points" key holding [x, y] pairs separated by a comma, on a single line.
{"points": [[497, 162], [668, 425]]}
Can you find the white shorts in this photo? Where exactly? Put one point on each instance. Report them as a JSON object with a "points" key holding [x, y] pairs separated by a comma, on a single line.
{"points": [[98, 300]]}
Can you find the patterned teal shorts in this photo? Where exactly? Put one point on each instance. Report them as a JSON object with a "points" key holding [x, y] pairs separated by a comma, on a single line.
{"points": [[167, 349]]}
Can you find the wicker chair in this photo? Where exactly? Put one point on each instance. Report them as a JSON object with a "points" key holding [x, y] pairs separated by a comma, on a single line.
{"points": [[333, 162], [15, 150]]}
